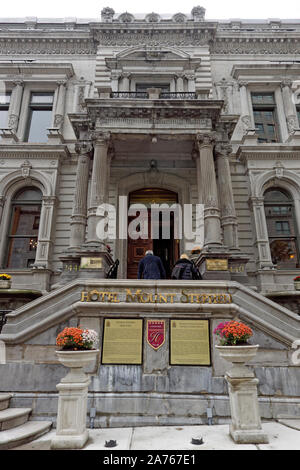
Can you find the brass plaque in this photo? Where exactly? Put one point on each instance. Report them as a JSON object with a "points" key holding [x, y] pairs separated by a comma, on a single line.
{"points": [[91, 263], [190, 343], [122, 341], [217, 265]]}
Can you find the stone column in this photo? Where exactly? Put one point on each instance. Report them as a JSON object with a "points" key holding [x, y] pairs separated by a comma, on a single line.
{"points": [[245, 112], [79, 213], [262, 237], [126, 81], [99, 184], [2, 202], [207, 181], [228, 214], [44, 238], [115, 76], [191, 82], [289, 107], [179, 83], [60, 105], [15, 106]]}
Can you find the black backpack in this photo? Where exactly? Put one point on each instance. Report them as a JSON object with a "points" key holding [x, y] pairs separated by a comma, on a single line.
{"points": [[177, 271]]}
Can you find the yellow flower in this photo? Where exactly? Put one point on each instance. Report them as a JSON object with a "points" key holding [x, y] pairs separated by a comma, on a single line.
{"points": [[4, 276]]}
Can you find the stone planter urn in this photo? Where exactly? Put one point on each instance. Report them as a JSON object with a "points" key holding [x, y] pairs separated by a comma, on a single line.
{"points": [[297, 285], [245, 427], [71, 432], [5, 284]]}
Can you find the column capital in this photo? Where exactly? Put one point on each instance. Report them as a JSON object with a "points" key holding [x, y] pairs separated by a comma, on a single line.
{"points": [[242, 83], [100, 138], [223, 149], [205, 140], [286, 83], [61, 83], [83, 147], [18, 82]]}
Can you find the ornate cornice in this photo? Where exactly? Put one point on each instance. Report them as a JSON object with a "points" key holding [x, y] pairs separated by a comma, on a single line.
{"points": [[46, 46], [255, 44]]}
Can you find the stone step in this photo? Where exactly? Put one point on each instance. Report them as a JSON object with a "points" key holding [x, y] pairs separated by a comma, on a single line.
{"points": [[12, 417], [23, 434], [4, 400]]}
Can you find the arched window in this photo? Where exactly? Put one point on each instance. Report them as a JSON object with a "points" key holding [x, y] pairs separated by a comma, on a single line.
{"points": [[24, 228], [279, 209]]}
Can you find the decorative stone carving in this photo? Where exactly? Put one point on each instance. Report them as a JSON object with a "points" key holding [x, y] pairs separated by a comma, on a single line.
{"points": [[83, 148], [39, 46], [25, 169], [126, 18], [179, 18], [152, 18], [198, 13], [107, 15]]}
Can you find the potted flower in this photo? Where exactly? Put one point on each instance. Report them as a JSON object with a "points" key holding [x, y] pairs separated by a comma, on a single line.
{"points": [[5, 281], [234, 346], [78, 347], [297, 283]]}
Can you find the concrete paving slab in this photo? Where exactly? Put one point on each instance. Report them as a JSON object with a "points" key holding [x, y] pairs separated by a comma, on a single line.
{"points": [[291, 423], [280, 438], [177, 438]]}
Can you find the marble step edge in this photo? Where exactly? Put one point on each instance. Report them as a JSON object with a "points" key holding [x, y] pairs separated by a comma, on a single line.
{"points": [[23, 434]]}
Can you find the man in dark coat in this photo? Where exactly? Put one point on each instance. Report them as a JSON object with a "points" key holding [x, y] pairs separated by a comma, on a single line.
{"points": [[185, 269], [151, 267]]}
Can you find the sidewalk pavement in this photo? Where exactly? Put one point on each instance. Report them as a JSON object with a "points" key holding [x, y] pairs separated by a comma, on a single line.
{"points": [[283, 435]]}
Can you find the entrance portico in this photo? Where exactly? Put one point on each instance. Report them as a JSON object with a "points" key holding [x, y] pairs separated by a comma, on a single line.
{"points": [[152, 142]]}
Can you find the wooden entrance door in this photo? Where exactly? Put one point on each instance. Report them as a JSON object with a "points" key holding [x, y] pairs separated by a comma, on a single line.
{"points": [[167, 250], [137, 250]]}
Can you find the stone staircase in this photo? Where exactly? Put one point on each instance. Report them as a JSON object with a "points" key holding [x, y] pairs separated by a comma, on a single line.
{"points": [[15, 429]]}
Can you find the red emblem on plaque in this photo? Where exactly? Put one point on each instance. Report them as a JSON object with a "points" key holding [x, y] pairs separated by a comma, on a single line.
{"points": [[155, 333]]}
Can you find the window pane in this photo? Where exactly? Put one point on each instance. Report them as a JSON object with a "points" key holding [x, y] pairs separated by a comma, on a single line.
{"points": [[263, 98], [25, 220], [5, 98], [42, 98], [29, 194], [3, 118], [276, 196], [20, 253], [39, 123], [142, 87]]}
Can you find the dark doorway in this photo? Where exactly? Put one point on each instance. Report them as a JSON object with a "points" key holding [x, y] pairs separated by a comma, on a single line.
{"points": [[166, 248]]}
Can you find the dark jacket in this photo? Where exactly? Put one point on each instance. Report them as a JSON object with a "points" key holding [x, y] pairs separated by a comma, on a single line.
{"points": [[185, 269], [151, 267]]}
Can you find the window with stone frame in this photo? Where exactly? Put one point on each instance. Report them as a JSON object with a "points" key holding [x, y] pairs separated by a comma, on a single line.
{"points": [[265, 117], [298, 114], [282, 231], [4, 107], [40, 116], [24, 228]]}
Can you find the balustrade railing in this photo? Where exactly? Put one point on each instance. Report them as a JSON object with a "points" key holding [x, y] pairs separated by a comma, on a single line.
{"points": [[178, 96], [144, 95], [3, 314]]}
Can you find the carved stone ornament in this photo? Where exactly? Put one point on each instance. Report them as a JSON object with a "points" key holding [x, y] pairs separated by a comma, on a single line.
{"points": [[152, 18], [83, 148], [223, 150], [205, 140], [292, 123], [25, 169], [126, 18], [179, 18], [107, 14], [198, 13]]}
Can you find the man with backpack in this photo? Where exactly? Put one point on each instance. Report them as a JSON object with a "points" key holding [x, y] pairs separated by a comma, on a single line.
{"points": [[185, 269]]}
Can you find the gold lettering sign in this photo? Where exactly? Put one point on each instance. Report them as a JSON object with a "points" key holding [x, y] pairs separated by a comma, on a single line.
{"points": [[122, 341], [91, 263], [217, 265], [189, 343], [138, 296]]}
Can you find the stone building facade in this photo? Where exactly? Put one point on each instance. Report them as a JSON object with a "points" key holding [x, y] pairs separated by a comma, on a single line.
{"points": [[150, 108]]}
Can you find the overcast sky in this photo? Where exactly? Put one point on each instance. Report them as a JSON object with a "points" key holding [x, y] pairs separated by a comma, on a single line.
{"points": [[215, 9]]}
